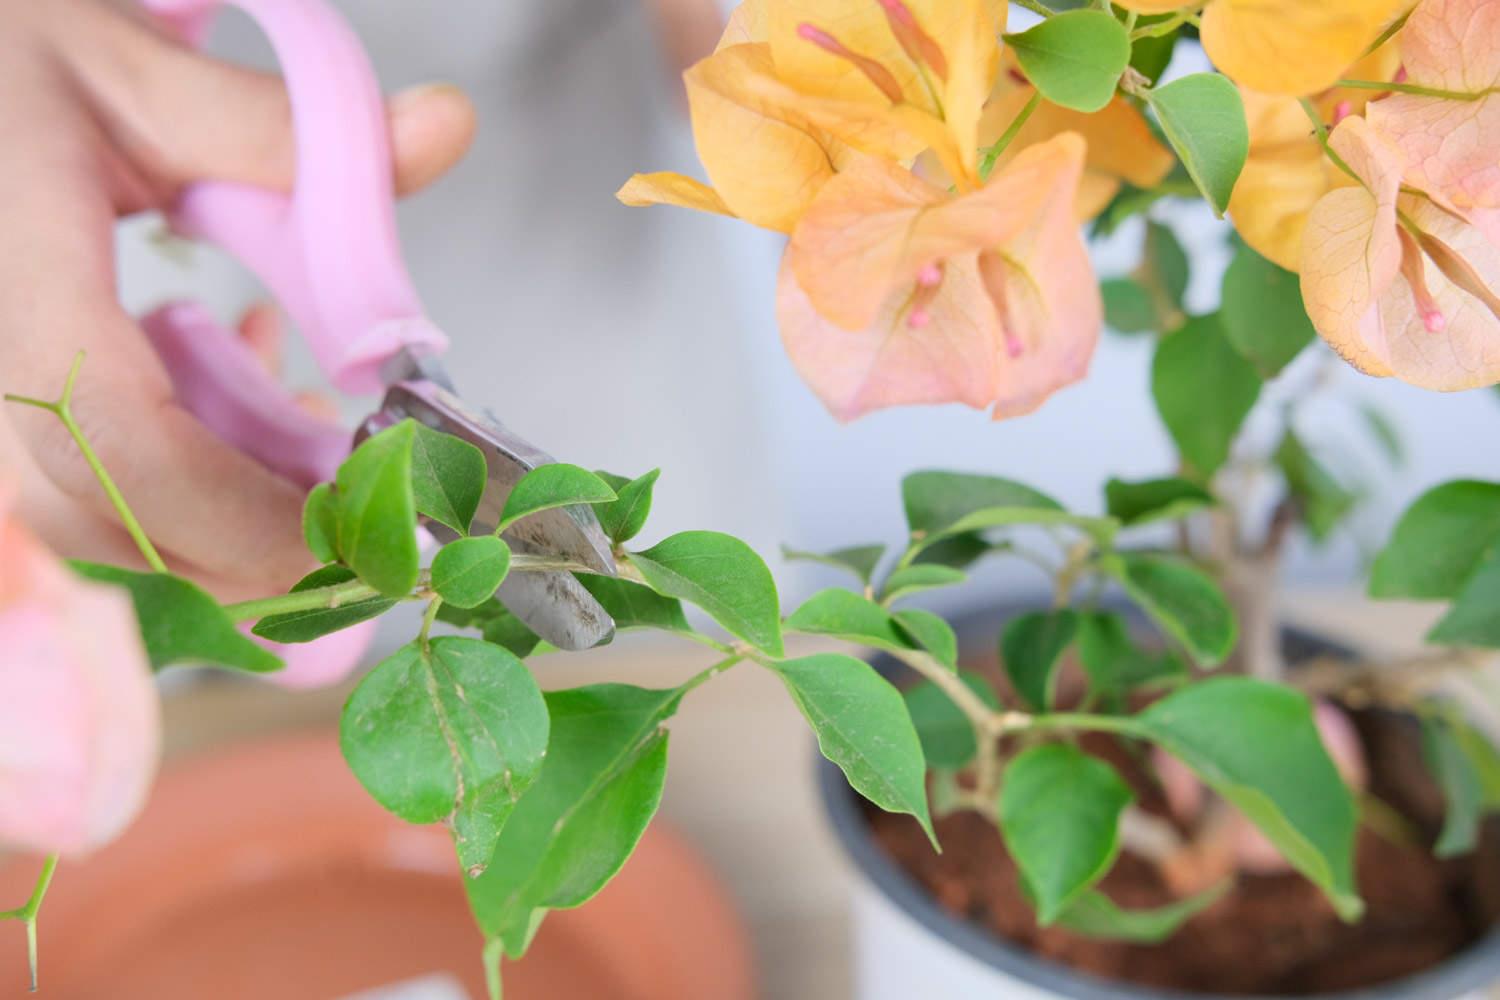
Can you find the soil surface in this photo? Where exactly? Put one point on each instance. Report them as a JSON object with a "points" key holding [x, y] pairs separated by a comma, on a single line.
{"points": [[1272, 934]]}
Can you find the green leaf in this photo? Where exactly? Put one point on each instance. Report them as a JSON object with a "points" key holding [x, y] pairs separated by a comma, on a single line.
{"points": [[180, 623], [919, 577], [447, 478], [957, 551], [467, 572], [576, 826], [936, 501], [377, 511], [849, 616], [1149, 56], [1439, 542], [624, 518], [305, 626], [946, 734], [506, 630], [549, 486], [723, 576], [1203, 391], [1114, 663], [1183, 600], [1075, 59], [1263, 314], [1030, 647], [1322, 500], [320, 522], [1473, 619], [496, 623], [1203, 118], [860, 560], [1166, 263], [456, 728], [927, 631], [1154, 500], [1463, 791], [634, 606], [1103, 529], [862, 726], [1256, 745], [1060, 816], [1128, 307], [1095, 915]]}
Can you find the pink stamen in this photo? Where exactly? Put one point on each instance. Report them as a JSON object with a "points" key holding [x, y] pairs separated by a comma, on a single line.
{"points": [[1341, 111], [1414, 269], [1013, 345], [1400, 75], [919, 319], [877, 74], [916, 43], [930, 276]]}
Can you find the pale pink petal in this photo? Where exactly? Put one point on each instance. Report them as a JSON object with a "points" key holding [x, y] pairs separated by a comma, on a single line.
{"points": [[1452, 147], [1452, 45], [1042, 281], [1465, 354], [953, 357], [876, 225], [1350, 251], [81, 720]]}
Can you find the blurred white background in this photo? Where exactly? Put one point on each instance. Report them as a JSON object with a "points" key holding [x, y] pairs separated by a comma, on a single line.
{"points": [[630, 338]]}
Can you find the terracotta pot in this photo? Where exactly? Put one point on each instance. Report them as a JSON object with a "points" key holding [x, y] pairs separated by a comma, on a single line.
{"points": [[906, 944], [266, 871]]}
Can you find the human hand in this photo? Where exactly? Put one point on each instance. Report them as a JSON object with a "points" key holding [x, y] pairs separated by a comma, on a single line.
{"points": [[107, 117]]}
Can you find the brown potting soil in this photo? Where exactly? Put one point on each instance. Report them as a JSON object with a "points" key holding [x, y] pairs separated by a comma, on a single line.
{"points": [[1272, 934]]}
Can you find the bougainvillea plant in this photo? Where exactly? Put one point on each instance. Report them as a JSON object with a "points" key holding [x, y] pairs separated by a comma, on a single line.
{"points": [[934, 167]]}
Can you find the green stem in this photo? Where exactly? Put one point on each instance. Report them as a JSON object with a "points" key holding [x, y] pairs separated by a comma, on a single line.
{"points": [[1416, 88], [1321, 131], [493, 953], [709, 673], [1390, 31], [427, 619], [335, 596], [1159, 28], [63, 410], [992, 154], [1035, 7], [27, 913], [986, 720], [340, 594], [1068, 721]]}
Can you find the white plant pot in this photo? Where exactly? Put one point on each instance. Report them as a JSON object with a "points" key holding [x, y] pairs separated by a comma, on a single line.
{"points": [[907, 947]]}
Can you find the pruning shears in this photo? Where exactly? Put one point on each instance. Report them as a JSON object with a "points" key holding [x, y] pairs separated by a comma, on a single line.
{"points": [[329, 254]]}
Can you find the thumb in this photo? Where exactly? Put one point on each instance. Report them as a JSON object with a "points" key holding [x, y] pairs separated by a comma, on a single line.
{"points": [[185, 116]]}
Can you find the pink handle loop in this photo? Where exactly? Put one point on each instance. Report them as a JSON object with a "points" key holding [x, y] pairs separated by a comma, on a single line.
{"points": [[220, 381], [329, 252]]}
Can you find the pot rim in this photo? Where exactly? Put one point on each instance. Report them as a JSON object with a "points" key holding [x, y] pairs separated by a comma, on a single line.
{"points": [[1475, 968]]}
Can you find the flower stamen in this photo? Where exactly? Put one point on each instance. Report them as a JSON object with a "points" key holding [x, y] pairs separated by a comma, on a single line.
{"points": [[1459, 271], [877, 74], [1413, 270], [916, 43]]}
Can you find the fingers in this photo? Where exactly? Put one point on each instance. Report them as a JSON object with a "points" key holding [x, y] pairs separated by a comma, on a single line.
{"points": [[184, 116], [195, 496]]}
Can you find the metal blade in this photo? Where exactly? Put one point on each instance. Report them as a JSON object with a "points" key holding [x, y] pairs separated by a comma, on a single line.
{"points": [[552, 603]]}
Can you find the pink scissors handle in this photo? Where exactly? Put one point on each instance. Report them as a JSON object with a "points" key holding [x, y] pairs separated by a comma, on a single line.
{"points": [[329, 251]]}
